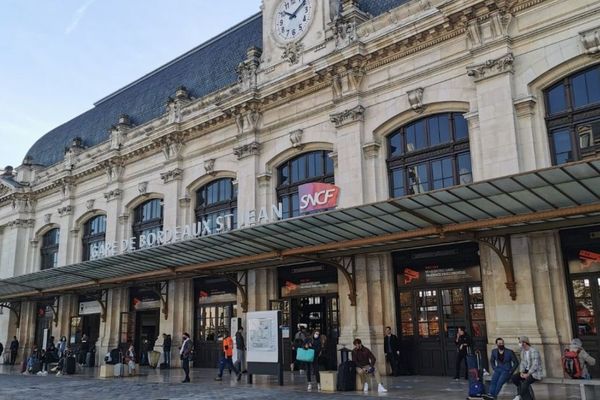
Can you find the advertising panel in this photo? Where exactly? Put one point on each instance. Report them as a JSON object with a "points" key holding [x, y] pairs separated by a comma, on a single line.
{"points": [[263, 337]]}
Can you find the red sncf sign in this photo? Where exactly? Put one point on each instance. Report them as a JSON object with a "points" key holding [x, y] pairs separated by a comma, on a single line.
{"points": [[318, 196]]}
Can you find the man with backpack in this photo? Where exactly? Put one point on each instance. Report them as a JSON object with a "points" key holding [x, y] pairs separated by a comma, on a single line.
{"points": [[530, 369], [504, 362], [575, 361]]}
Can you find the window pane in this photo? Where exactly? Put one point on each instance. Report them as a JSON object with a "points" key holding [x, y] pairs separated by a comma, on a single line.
{"points": [[443, 173], [593, 84], [418, 179], [295, 165], [284, 175], [584, 307], [556, 99], [461, 130], [415, 136], [464, 169], [433, 125], [562, 146], [328, 164], [395, 145], [397, 183], [579, 90]]}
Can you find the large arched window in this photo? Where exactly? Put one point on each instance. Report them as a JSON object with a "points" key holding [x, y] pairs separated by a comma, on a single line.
{"points": [[50, 248], [148, 218], [428, 154], [217, 199], [94, 233], [573, 116], [315, 166]]}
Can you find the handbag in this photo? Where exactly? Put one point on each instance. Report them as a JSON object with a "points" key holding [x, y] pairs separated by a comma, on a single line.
{"points": [[305, 355]]}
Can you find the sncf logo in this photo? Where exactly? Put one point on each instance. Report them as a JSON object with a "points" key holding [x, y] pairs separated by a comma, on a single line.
{"points": [[318, 196]]}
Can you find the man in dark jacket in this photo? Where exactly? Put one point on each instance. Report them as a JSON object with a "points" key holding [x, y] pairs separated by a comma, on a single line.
{"points": [[240, 346], [504, 362], [167, 349], [365, 365], [14, 349], [1, 349], [392, 350], [463, 343], [186, 354]]}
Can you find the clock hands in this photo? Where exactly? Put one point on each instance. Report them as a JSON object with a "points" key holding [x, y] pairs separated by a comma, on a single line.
{"points": [[297, 9], [287, 13]]}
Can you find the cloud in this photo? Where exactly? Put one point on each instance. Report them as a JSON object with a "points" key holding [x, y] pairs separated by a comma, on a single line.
{"points": [[77, 16]]}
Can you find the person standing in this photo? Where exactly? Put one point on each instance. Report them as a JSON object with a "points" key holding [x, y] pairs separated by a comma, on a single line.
{"points": [[365, 365], [62, 347], [504, 362], [14, 349], [1, 350], [463, 346], [530, 369], [392, 350], [84, 347], [185, 353], [583, 357], [228, 358], [313, 342], [167, 343], [240, 345], [297, 343]]}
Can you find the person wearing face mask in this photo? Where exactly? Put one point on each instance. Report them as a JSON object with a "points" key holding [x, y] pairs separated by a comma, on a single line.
{"points": [[314, 342], [185, 354], [530, 370], [504, 362]]}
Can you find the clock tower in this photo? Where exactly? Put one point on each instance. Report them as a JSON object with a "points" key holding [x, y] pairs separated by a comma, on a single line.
{"points": [[295, 32]]}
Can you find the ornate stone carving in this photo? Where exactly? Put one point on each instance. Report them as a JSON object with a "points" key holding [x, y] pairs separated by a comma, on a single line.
{"points": [[264, 179], [356, 76], [525, 106], [473, 32], [348, 116], [291, 52], [23, 203], [66, 210], [185, 202], [209, 166], [247, 70], [114, 169], [112, 195], [345, 33], [248, 121], [72, 152], [500, 22], [68, 187], [491, 67], [90, 204], [175, 104], [143, 187], [590, 40], [371, 149], [47, 218], [21, 223], [123, 218], [172, 145], [296, 138], [173, 175], [337, 86], [247, 150], [415, 99], [118, 132]]}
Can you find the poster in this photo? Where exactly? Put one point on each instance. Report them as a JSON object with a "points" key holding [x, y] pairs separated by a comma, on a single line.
{"points": [[263, 336]]}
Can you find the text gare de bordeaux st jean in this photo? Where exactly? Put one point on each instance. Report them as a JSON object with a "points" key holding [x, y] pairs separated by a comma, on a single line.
{"points": [[312, 196]]}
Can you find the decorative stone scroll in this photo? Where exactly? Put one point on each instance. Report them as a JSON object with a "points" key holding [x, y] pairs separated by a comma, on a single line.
{"points": [[346, 117], [591, 41], [415, 99], [247, 150], [173, 175], [492, 67]]}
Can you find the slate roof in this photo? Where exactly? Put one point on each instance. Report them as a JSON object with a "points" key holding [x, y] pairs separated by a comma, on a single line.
{"points": [[203, 70]]}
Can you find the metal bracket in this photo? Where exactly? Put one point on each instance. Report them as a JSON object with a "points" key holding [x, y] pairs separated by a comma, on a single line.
{"points": [[501, 246], [55, 308], [163, 293], [346, 266], [102, 299], [16, 309], [241, 283]]}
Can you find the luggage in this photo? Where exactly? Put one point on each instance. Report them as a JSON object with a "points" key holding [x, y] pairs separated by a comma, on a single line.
{"points": [[305, 355], [90, 359], [114, 357], [346, 376], [70, 365], [476, 388], [163, 366], [571, 365], [153, 358], [119, 370]]}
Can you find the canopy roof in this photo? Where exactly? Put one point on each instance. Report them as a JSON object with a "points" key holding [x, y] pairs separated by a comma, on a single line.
{"points": [[561, 196]]}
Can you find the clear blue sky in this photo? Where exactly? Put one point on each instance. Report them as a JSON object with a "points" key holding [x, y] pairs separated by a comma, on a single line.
{"points": [[57, 57]]}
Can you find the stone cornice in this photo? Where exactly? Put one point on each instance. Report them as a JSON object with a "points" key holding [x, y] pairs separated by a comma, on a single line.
{"points": [[349, 116], [173, 175], [491, 68]]}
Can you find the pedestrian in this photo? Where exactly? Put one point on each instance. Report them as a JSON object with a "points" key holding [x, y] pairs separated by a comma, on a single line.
{"points": [[463, 347], [504, 362], [323, 359], [62, 347], [62, 362], [1, 349], [365, 366], [14, 349], [130, 359], [167, 342], [530, 369], [240, 345], [227, 360], [49, 356], [392, 351], [184, 354], [84, 347], [576, 360], [144, 355], [298, 342], [313, 342]]}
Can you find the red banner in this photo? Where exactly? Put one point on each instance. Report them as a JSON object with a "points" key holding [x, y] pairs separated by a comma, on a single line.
{"points": [[317, 196]]}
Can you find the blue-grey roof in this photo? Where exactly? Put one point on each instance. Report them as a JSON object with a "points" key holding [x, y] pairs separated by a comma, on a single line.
{"points": [[203, 70]]}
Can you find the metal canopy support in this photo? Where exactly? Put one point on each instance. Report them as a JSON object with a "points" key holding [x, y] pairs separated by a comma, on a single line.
{"points": [[54, 308], [501, 246], [102, 299], [15, 307], [346, 266], [241, 282], [163, 293]]}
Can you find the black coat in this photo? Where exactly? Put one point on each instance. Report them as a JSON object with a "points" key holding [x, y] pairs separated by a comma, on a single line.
{"points": [[463, 340], [167, 343], [14, 345], [391, 344]]}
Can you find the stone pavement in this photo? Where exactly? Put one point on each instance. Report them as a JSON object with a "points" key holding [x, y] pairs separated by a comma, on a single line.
{"points": [[165, 385]]}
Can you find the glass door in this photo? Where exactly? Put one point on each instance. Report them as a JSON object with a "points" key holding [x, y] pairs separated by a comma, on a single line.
{"points": [[430, 344], [586, 302]]}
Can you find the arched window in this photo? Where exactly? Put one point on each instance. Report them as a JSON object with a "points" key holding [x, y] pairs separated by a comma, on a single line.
{"points": [[428, 154], [148, 218], [315, 166], [94, 233], [217, 199], [573, 116], [50, 248]]}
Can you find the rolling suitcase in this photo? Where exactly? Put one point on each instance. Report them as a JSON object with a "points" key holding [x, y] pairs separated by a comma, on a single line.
{"points": [[346, 377], [475, 366], [70, 365], [119, 370], [153, 358]]}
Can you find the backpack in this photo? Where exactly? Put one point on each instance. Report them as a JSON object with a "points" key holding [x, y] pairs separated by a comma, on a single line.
{"points": [[571, 365]]}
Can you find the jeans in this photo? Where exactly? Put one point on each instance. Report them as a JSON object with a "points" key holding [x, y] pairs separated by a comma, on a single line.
{"points": [[241, 359], [313, 367], [461, 357], [500, 377], [523, 386], [227, 362], [394, 361], [167, 356], [185, 364]]}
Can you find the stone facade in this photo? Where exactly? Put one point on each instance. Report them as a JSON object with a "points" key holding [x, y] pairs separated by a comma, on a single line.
{"points": [[343, 94]]}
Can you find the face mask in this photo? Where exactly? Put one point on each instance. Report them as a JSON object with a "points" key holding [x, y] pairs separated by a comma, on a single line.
{"points": [[316, 336], [501, 347], [520, 345]]}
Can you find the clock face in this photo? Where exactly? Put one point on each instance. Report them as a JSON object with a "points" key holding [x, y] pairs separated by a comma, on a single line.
{"points": [[292, 19]]}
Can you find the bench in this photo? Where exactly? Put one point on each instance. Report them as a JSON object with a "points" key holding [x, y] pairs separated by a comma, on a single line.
{"points": [[565, 381]]}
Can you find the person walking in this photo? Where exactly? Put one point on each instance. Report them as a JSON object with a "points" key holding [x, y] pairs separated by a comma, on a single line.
{"points": [[1, 350], [228, 358], [240, 345], [185, 354], [583, 357], [463, 346], [298, 342], [313, 342], [530, 369], [167, 343], [62, 347], [365, 365], [14, 349], [504, 362], [392, 351]]}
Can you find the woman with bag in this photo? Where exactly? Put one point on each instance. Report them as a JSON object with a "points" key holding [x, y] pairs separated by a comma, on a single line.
{"points": [[310, 354], [463, 347]]}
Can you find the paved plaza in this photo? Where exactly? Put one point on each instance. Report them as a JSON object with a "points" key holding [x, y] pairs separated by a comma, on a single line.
{"points": [[165, 385]]}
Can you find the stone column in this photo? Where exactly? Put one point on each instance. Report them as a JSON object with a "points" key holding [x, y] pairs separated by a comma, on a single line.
{"points": [[181, 316], [172, 189]]}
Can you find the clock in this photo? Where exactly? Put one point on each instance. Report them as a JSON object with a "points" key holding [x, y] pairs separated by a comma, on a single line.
{"points": [[292, 19]]}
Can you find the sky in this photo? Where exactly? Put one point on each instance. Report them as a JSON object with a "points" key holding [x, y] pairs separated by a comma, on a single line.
{"points": [[58, 57]]}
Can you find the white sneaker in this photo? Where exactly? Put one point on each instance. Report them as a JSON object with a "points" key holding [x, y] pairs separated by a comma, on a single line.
{"points": [[40, 373], [366, 387], [318, 386], [517, 397], [59, 373], [381, 389], [309, 387]]}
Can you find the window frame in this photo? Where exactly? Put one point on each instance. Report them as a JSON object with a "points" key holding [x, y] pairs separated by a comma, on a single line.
{"points": [[89, 239], [228, 205], [49, 251], [139, 225]]}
